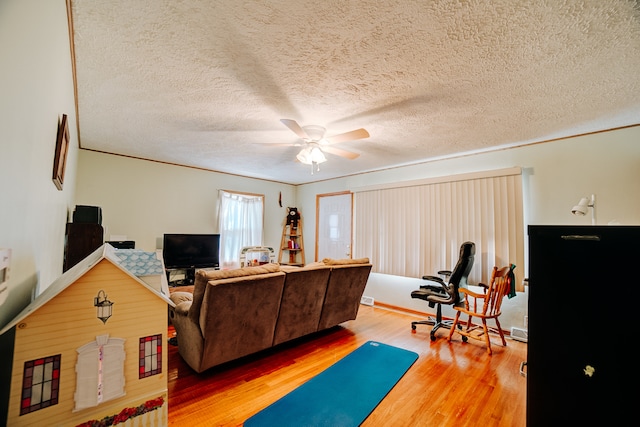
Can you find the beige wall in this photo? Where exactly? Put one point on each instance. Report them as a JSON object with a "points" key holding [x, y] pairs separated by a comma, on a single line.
{"points": [[556, 175], [37, 88], [143, 199]]}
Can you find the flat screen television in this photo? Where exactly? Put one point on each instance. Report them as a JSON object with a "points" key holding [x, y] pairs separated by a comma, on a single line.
{"points": [[190, 251]]}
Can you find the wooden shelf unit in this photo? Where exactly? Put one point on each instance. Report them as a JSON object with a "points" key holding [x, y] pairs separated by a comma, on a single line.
{"points": [[292, 245]]}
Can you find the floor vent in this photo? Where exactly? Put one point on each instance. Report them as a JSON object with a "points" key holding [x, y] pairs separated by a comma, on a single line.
{"points": [[366, 300], [519, 334]]}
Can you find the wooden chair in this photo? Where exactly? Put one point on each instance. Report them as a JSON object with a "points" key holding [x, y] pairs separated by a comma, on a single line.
{"points": [[483, 306]]}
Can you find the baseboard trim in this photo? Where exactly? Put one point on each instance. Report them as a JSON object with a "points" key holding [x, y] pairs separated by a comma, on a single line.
{"points": [[422, 314]]}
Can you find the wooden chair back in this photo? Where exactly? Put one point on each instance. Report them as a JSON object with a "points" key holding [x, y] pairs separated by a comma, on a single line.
{"points": [[499, 286], [485, 305]]}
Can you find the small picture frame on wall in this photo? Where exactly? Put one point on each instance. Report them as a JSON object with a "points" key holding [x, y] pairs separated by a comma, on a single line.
{"points": [[60, 159]]}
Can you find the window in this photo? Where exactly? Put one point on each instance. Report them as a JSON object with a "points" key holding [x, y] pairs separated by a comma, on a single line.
{"points": [[420, 225], [40, 384], [241, 222], [150, 356]]}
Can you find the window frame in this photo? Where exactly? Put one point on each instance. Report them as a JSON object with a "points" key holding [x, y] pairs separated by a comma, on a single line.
{"points": [[52, 381]]}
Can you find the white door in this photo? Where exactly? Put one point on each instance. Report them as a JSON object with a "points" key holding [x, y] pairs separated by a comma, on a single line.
{"points": [[333, 226]]}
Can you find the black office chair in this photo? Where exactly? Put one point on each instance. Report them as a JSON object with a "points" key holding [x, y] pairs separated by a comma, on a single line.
{"points": [[443, 292]]}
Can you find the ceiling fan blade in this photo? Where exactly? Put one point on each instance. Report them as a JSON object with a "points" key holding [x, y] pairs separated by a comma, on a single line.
{"points": [[283, 144], [348, 136], [342, 153], [295, 127]]}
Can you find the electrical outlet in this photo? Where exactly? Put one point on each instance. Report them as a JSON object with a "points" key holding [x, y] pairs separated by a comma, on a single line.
{"points": [[526, 321], [367, 300]]}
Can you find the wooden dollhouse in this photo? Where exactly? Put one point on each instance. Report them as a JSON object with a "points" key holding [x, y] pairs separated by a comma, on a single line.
{"points": [[90, 350]]}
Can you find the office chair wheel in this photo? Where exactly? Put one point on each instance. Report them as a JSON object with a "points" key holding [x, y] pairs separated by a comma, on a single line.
{"points": [[464, 339], [433, 337], [413, 327]]}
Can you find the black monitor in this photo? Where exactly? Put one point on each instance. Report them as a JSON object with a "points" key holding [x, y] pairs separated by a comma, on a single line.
{"points": [[189, 251]]}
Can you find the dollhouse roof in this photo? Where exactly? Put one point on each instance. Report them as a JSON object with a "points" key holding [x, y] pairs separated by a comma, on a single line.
{"points": [[143, 266]]}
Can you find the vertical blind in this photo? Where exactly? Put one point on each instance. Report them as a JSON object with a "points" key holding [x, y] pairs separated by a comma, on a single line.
{"points": [[416, 228]]}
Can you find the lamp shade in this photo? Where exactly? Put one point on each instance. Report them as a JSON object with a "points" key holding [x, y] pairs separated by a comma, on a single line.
{"points": [[581, 208], [311, 155]]}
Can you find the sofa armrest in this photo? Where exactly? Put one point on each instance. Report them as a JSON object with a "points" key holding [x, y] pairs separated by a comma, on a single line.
{"points": [[182, 309], [179, 297], [188, 334]]}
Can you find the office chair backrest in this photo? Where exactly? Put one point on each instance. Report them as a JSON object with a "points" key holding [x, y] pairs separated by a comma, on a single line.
{"points": [[460, 272]]}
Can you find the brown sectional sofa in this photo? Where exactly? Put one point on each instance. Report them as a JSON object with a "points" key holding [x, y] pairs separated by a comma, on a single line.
{"points": [[234, 313]]}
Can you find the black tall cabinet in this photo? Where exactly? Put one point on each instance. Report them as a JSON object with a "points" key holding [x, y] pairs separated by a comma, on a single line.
{"points": [[582, 365], [81, 239]]}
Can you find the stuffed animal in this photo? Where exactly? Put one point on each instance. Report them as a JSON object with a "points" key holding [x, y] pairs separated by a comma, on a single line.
{"points": [[293, 217]]}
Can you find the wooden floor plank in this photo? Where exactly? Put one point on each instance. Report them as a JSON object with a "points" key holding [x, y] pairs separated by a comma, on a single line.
{"points": [[451, 384]]}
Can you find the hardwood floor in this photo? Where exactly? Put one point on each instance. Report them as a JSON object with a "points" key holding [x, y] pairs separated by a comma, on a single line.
{"points": [[451, 384]]}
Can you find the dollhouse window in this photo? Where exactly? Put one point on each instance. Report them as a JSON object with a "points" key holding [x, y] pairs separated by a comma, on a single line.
{"points": [[150, 356], [99, 372], [40, 384]]}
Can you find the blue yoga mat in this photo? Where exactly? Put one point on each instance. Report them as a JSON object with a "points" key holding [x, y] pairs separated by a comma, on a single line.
{"points": [[342, 395]]}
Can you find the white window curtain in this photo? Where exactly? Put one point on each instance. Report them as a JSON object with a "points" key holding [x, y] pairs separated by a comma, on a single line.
{"points": [[241, 223], [421, 224]]}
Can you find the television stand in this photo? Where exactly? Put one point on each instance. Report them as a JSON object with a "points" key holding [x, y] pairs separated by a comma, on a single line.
{"points": [[180, 276], [184, 276]]}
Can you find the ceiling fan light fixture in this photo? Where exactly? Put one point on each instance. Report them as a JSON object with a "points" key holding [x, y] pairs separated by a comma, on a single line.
{"points": [[314, 132], [313, 137], [311, 155]]}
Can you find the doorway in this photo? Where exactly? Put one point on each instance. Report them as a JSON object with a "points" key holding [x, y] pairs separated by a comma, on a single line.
{"points": [[333, 225]]}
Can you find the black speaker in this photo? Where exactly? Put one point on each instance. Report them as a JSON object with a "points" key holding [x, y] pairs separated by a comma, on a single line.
{"points": [[123, 244], [87, 214]]}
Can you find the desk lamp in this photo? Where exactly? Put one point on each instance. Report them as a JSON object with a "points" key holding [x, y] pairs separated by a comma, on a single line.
{"points": [[583, 206]]}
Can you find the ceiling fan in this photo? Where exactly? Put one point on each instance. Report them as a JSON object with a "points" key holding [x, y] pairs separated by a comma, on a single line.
{"points": [[315, 143]]}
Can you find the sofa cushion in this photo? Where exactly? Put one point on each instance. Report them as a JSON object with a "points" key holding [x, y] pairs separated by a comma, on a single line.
{"points": [[302, 301], [238, 316], [204, 276], [293, 268], [345, 261], [240, 272], [344, 290]]}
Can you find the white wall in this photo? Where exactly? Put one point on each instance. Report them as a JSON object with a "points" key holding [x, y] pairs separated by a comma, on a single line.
{"points": [[143, 199], [37, 88], [556, 175]]}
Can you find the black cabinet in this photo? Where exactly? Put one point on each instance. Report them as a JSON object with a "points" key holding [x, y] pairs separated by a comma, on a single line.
{"points": [[81, 239], [581, 363]]}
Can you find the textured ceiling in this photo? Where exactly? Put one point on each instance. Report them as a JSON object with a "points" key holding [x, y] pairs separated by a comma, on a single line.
{"points": [[205, 83]]}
